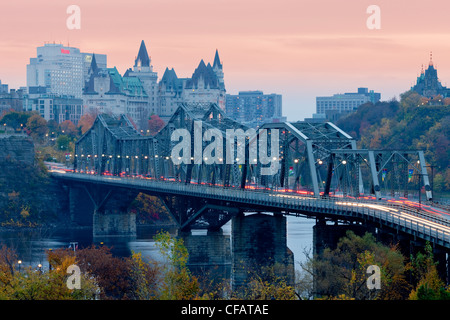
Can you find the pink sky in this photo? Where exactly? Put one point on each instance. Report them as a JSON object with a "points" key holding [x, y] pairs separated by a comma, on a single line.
{"points": [[298, 48]]}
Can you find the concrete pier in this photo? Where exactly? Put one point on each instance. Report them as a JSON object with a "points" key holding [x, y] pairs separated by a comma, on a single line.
{"points": [[258, 241]]}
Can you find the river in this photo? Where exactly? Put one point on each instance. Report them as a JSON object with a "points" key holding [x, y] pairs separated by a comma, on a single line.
{"points": [[31, 246]]}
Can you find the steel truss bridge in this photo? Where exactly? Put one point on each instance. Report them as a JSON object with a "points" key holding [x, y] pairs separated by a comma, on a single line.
{"points": [[319, 171]]}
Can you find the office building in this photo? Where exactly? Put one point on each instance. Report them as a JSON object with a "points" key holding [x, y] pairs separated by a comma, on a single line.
{"points": [[254, 108], [62, 70], [344, 103]]}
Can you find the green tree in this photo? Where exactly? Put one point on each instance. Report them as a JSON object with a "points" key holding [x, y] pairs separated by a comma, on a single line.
{"points": [[63, 143], [16, 120], [429, 285], [177, 283]]}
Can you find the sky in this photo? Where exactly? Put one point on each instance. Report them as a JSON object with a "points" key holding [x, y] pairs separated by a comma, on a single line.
{"points": [[297, 48]]}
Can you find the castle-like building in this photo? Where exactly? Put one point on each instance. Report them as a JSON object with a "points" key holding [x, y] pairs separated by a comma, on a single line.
{"points": [[205, 86], [139, 94], [428, 84]]}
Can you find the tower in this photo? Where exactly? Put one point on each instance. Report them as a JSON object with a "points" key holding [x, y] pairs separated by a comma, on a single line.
{"points": [[218, 70], [142, 61], [143, 70]]}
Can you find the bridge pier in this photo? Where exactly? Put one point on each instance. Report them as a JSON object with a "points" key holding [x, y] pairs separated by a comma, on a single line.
{"points": [[327, 236], [259, 241], [103, 208], [209, 254]]}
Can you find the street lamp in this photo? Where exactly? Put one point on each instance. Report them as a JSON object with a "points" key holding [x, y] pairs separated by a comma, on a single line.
{"points": [[20, 263]]}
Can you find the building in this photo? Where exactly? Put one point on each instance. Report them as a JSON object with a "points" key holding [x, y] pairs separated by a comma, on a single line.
{"points": [[344, 103], [428, 84], [100, 60], [170, 93], [254, 108], [63, 70], [51, 106], [206, 86], [3, 88], [12, 100], [143, 70], [107, 91]]}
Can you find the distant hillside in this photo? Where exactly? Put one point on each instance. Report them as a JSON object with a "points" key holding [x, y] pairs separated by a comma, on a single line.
{"points": [[413, 122]]}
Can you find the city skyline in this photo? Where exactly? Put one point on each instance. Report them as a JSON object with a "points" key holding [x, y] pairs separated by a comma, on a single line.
{"points": [[297, 49]]}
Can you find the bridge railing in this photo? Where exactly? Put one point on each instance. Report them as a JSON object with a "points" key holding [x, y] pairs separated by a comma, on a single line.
{"points": [[426, 227]]}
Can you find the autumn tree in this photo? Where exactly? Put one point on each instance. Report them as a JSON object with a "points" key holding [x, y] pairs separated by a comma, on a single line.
{"points": [[86, 121], [268, 284], [68, 128], [149, 209], [342, 271], [155, 123], [34, 284], [177, 283], [144, 277], [37, 127]]}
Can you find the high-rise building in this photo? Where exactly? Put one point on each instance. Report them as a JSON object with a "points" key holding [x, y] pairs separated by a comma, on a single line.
{"points": [[344, 103], [100, 60], [58, 68], [61, 69], [254, 108]]}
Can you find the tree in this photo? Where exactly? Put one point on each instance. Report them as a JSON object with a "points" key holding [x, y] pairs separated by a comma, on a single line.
{"points": [[266, 284], [62, 143], [342, 271], [155, 123], [68, 128], [425, 274], [111, 273], [15, 119], [143, 277], [86, 121], [37, 127], [31, 284], [178, 283]]}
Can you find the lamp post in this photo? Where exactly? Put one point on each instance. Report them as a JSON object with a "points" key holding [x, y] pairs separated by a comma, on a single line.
{"points": [[19, 263]]}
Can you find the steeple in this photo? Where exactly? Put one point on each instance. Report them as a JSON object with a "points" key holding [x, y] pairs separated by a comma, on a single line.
{"points": [[431, 59], [142, 59], [94, 67], [217, 60]]}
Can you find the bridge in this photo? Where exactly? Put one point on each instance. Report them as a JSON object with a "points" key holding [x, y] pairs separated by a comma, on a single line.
{"points": [[207, 168]]}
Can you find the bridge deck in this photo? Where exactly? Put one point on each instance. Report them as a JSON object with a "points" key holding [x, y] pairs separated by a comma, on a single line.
{"points": [[415, 222]]}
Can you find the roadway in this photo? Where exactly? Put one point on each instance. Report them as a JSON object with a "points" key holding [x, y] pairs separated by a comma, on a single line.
{"points": [[422, 220]]}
